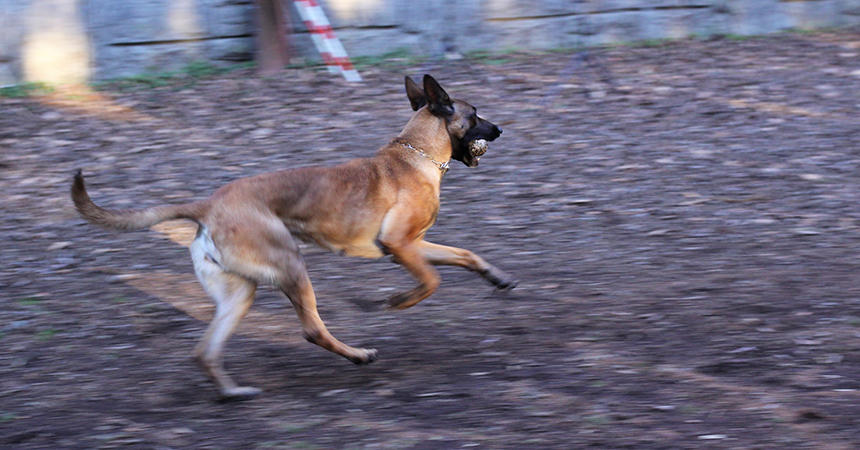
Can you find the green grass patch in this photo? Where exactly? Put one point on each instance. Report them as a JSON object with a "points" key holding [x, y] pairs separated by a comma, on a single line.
{"points": [[490, 58], [563, 50], [649, 43], [293, 428], [642, 43], [805, 31], [597, 419], [146, 80], [46, 335], [25, 90], [202, 69], [184, 77], [29, 301], [737, 37], [401, 57]]}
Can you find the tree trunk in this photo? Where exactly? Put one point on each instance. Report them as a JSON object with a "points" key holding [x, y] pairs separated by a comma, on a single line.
{"points": [[273, 50]]}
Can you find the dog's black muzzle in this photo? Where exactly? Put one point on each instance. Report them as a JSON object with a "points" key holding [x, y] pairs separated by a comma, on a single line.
{"points": [[496, 133], [485, 130]]}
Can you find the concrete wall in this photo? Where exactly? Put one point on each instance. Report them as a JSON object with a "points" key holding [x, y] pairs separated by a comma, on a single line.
{"points": [[78, 40]]}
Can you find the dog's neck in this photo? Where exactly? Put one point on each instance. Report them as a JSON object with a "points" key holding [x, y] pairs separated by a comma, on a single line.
{"points": [[443, 166], [428, 133]]}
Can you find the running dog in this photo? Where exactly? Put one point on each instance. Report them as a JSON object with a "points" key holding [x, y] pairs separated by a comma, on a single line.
{"points": [[369, 207]]}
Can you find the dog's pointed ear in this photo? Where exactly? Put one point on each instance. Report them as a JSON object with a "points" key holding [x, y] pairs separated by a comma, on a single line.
{"points": [[416, 95], [437, 99]]}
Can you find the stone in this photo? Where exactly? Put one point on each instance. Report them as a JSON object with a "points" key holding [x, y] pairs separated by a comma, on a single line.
{"points": [[59, 245]]}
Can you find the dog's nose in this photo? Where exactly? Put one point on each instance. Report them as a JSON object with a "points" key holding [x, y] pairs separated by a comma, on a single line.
{"points": [[498, 130]]}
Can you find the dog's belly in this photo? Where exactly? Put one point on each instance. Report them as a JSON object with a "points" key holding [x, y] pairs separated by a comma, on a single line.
{"points": [[363, 251], [362, 245]]}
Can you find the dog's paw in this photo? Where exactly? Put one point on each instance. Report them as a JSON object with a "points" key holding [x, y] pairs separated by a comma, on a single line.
{"points": [[239, 393], [506, 284], [500, 280], [400, 301], [364, 356]]}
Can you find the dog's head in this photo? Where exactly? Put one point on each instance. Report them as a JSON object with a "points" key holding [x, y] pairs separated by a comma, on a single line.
{"points": [[461, 119]]}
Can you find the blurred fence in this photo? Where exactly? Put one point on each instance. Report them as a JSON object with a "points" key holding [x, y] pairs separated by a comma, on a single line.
{"points": [[78, 40]]}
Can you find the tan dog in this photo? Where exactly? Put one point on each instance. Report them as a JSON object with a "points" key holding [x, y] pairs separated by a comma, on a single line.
{"points": [[366, 207]]}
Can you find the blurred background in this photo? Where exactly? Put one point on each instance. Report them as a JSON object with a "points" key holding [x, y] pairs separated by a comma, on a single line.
{"points": [[76, 40], [676, 189]]}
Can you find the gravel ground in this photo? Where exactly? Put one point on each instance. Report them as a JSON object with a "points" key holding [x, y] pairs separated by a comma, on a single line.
{"points": [[683, 218]]}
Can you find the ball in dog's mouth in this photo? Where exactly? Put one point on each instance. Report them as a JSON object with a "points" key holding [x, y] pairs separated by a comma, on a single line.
{"points": [[478, 147]]}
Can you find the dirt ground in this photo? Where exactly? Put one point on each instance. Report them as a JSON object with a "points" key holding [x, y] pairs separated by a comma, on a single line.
{"points": [[683, 218]]}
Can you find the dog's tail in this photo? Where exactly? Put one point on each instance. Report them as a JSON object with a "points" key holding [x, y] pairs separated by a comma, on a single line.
{"points": [[131, 219]]}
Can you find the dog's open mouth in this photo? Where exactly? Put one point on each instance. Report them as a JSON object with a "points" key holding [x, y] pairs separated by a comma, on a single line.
{"points": [[477, 148]]}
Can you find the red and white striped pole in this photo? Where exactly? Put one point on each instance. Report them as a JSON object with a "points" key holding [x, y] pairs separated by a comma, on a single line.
{"points": [[329, 46]]}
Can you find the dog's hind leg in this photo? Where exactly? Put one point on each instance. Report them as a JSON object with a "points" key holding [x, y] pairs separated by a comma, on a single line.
{"points": [[233, 295], [266, 251], [300, 292], [453, 256]]}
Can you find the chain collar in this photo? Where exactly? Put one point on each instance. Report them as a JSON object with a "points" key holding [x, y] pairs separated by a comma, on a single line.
{"points": [[443, 166]]}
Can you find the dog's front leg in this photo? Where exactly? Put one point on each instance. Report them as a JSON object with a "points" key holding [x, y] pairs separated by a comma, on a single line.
{"points": [[410, 257], [453, 256]]}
